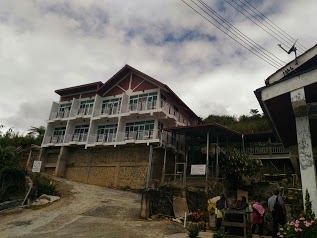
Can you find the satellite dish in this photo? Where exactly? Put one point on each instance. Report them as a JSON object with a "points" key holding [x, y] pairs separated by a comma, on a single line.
{"points": [[292, 49]]}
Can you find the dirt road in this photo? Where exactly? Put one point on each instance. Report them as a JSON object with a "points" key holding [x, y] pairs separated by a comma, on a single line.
{"points": [[86, 211]]}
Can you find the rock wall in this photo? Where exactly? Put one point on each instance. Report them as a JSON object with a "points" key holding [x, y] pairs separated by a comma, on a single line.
{"points": [[124, 166]]}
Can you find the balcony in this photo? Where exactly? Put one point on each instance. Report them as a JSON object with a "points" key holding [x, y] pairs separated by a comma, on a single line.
{"points": [[82, 112], [138, 135], [76, 138], [108, 111], [102, 139], [59, 115], [268, 150], [53, 140]]}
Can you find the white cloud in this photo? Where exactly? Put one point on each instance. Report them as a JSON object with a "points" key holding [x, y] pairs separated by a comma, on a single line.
{"points": [[47, 45]]}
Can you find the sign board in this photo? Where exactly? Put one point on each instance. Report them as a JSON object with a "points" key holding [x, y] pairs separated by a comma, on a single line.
{"points": [[36, 166], [198, 169]]}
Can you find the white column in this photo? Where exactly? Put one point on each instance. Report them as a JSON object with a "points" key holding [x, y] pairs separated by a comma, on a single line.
{"points": [[305, 149]]}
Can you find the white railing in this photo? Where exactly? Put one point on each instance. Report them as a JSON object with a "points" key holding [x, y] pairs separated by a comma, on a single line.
{"points": [[76, 137], [142, 106], [273, 148], [60, 114], [102, 138], [82, 112], [53, 139], [139, 135], [110, 110]]}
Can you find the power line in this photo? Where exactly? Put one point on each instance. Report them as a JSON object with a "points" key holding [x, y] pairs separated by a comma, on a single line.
{"points": [[272, 64], [255, 22], [257, 46], [257, 52], [266, 19], [256, 49]]}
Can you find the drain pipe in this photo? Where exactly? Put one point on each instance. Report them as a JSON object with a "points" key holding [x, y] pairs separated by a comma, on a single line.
{"points": [[30, 183]]}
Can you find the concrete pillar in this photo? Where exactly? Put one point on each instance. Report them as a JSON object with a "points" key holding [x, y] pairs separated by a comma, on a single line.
{"points": [[61, 162], [43, 157], [305, 150]]}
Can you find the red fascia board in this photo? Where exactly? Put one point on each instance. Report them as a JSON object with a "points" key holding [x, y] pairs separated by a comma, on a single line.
{"points": [[210, 124], [80, 88]]}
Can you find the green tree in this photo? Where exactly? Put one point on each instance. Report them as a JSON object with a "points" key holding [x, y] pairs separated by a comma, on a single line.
{"points": [[237, 166], [244, 124], [38, 133], [12, 182]]}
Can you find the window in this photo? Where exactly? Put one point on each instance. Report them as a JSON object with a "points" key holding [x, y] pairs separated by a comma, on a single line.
{"points": [[163, 97], [142, 130], [141, 102], [80, 133], [107, 133], [111, 106], [160, 125], [85, 107], [58, 135], [64, 110]]}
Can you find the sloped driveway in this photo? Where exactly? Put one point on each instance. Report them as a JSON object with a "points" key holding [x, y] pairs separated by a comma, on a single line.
{"points": [[86, 211]]}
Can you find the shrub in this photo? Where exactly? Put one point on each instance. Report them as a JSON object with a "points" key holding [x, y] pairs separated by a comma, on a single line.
{"points": [[45, 186], [304, 227], [12, 178], [300, 228]]}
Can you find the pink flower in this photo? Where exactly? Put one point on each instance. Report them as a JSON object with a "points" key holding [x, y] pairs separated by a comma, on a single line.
{"points": [[296, 225], [281, 229], [302, 219]]}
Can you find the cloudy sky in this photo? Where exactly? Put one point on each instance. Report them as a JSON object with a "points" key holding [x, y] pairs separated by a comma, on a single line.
{"points": [[48, 45]]}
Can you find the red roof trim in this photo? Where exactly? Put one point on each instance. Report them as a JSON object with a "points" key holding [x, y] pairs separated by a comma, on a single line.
{"points": [[80, 88], [210, 124]]}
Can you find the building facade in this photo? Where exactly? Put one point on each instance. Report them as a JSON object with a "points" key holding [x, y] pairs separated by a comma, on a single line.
{"points": [[110, 133]]}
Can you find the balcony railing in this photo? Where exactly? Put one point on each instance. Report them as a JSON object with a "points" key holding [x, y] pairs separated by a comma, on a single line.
{"points": [[139, 135], [60, 114], [82, 112], [53, 139], [76, 137], [269, 148], [142, 106], [110, 110], [102, 138]]}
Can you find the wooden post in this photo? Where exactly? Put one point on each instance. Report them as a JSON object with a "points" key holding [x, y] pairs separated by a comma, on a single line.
{"points": [[164, 166], [149, 175]]}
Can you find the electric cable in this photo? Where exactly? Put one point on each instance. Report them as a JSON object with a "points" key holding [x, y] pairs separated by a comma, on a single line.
{"points": [[241, 34], [272, 64], [256, 22], [265, 18]]}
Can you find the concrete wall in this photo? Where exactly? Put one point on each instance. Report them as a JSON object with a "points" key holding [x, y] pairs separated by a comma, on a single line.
{"points": [[124, 166]]}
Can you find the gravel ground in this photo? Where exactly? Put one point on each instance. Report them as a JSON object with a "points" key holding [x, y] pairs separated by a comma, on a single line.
{"points": [[86, 211]]}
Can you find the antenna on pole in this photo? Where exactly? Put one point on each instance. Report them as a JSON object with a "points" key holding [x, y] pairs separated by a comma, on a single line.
{"points": [[292, 49]]}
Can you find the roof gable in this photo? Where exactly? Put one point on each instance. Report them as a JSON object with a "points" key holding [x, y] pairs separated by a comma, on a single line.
{"points": [[138, 81]]}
